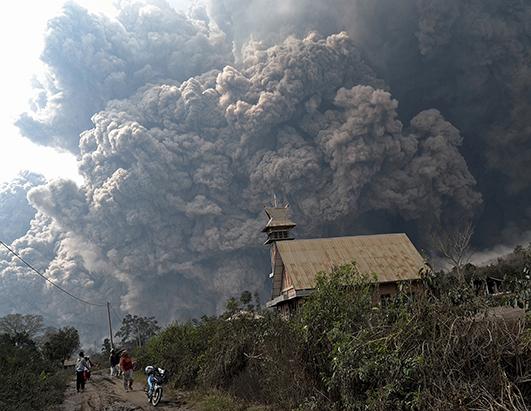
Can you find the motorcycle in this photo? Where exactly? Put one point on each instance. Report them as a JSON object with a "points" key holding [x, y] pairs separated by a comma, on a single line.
{"points": [[159, 378]]}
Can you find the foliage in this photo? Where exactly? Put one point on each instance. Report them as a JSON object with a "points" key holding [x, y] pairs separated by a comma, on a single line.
{"points": [[216, 401], [178, 349], [27, 381], [434, 352], [255, 358], [59, 345], [242, 304], [135, 330], [29, 324], [441, 350], [340, 305]]}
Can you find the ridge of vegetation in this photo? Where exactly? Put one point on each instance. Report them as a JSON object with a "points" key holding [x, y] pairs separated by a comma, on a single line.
{"points": [[443, 349]]}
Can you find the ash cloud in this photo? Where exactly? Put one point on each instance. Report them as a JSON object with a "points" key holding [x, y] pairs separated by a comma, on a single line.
{"points": [[468, 60], [16, 212], [365, 116], [92, 59], [176, 175]]}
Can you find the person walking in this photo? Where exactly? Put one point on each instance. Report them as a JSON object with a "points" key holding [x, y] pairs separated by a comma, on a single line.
{"points": [[126, 364], [114, 360], [81, 367], [89, 365]]}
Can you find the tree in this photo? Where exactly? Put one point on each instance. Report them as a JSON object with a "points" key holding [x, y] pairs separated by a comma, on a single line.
{"points": [[60, 345], [15, 324], [454, 246], [245, 302], [246, 297], [137, 330], [340, 305], [231, 306]]}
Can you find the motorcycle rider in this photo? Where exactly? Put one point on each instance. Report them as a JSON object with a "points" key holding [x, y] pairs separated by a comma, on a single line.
{"points": [[150, 371]]}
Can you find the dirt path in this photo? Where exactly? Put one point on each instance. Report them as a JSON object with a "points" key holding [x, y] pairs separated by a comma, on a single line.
{"points": [[103, 393]]}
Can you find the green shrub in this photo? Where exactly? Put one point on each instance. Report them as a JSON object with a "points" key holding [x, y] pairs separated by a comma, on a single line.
{"points": [[434, 352], [27, 381], [178, 349], [438, 351]]}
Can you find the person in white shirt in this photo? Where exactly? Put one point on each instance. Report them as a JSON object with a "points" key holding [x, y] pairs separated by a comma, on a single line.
{"points": [[81, 367]]}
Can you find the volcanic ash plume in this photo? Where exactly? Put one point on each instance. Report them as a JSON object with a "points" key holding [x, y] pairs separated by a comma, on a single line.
{"points": [[176, 176], [93, 59], [186, 126], [16, 212]]}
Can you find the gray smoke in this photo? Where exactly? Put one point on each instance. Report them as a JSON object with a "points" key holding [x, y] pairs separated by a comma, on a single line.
{"points": [[16, 212], [62, 259], [93, 59], [469, 60], [179, 159]]}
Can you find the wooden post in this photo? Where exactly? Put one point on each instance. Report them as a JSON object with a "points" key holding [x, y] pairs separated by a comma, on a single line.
{"points": [[110, 325]]}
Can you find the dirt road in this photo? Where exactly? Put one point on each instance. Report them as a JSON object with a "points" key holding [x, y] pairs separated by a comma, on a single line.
{"points": [[103, 393]]}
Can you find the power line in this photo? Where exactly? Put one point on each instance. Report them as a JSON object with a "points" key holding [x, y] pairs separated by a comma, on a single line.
{"points": [[47, 279], [116, 315]]}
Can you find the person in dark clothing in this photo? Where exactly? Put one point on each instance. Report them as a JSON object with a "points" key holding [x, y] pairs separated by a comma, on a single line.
{"points": [[114, 359], [81, 367], [89, 365]]}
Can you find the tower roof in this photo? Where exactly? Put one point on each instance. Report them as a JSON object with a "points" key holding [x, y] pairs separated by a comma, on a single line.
{"points": [[278, 218]]}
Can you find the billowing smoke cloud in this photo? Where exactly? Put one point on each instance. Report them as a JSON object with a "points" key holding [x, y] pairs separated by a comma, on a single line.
{"points": [[469, 60], [63, 259], [179, 159], [93, 59], [16, 212], [176, 176]]}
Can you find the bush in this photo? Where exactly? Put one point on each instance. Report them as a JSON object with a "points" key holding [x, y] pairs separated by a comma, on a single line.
{"points": [[27, 381], [438, 351], [179, 348], [255, 359], [427, 353]]}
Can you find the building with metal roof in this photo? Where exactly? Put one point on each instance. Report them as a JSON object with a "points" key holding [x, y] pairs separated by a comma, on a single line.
{"points": [[391, 258]]}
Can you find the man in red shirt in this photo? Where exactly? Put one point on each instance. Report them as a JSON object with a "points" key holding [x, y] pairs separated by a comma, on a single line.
{"points": [[126, 364]]}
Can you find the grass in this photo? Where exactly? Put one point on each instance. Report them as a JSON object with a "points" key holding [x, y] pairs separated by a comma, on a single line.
{"points": [[218, 401]]}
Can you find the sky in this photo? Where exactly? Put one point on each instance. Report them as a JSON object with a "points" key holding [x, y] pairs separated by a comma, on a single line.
{"points": [[28, 28]]}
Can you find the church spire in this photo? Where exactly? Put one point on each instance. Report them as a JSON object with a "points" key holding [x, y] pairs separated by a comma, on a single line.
{"points": [[279, 225]]}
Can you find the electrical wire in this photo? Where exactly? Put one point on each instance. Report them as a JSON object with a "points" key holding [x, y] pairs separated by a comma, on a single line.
{"points": [[50, 281], [116, 315]]}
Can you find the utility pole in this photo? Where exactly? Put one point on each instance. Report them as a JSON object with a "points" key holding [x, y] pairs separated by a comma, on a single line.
{"points": [[110, 325]]}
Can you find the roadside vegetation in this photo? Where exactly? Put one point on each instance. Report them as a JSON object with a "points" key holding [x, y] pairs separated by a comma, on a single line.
{"points": [[31, 362], [440, 350]]}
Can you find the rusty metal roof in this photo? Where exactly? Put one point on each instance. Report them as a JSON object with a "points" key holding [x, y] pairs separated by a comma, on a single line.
{"points": [[392, 257]]}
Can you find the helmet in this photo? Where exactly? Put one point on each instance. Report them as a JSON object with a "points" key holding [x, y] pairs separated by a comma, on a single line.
{"points": [[149, 369]]}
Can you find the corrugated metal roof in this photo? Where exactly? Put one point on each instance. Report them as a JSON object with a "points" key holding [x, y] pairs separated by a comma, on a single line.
{"points": [[392, 257], [278, 217]]}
